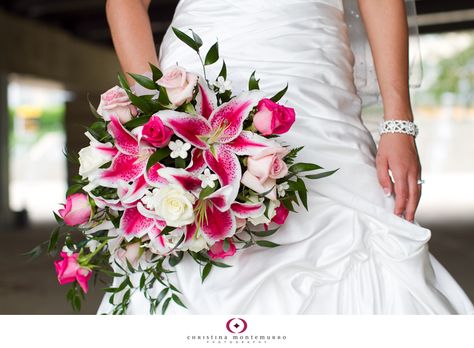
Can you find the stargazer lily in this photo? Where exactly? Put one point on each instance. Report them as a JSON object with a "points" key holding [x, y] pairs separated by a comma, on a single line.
{"points": [[218, 136]]}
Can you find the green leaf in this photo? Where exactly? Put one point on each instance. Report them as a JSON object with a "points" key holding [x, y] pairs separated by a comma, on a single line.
{"points": [[265, 233], [123, 82], [142, 281], [196, 38], [174, 288], [220, 264], [303, 167], [206, 191], [144, 81], [179, 162], [321, 175], [253, 83], [178, 300], [163, 98], [156, 73], [302, 192], [266, 243], [157, 156], [74, 188], [279, 95], [212, 55], [53, 239], [162, 295], [59, 219], [175, 259], [93, 109], [136, 122], [194, 43], [205, 272], [225, 245], [165, 305], [167, 230], [223, 71]]}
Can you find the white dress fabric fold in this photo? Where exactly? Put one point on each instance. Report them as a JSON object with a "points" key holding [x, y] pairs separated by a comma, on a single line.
{"points": [[349, 254]]}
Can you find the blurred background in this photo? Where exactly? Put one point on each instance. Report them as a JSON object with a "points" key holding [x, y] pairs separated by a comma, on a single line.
{"points": [[58, 54]]}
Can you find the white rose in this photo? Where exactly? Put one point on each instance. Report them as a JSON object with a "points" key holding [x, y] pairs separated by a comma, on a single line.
{"points": [[91, 159], [173, 204]]}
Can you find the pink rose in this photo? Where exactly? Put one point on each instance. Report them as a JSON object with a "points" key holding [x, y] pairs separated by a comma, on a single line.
{"points": [[156, 133], [179, 85], [69, 270], [264, 168], [116, 102], [281, 214], [273, 118], [217, 250], [77, 209]]}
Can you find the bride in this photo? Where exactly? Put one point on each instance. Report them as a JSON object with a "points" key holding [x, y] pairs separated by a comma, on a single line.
{"points": [[359, 249]]}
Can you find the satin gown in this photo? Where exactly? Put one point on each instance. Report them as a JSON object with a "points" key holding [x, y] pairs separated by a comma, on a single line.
{"points": [[350, 254]]}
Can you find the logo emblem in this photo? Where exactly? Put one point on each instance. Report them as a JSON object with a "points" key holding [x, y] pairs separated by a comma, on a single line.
{"points": [[236, 325]]}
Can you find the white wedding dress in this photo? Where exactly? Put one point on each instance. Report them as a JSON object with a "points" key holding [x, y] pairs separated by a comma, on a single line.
{"points": [[350, 254]]}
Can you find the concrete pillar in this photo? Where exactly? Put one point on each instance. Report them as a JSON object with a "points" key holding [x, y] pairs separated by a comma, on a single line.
{"points": [[5, 213]]}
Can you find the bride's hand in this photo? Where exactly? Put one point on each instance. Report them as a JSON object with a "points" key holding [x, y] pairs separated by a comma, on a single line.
{"points": [[398, 152]]}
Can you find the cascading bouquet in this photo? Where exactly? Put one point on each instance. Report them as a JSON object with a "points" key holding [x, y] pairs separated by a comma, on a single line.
{"points": [[185, 169]]}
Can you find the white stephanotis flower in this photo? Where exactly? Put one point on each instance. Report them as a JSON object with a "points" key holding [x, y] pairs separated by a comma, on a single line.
{"points": [[179, 149], [222, 84], [281, 188], [207, 178]]}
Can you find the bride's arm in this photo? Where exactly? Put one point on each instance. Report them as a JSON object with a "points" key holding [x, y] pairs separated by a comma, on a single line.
{"points": [[387, 30], [132, 36]]}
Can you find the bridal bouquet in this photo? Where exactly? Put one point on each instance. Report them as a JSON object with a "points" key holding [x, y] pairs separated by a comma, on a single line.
{"points": [[185, 169]]}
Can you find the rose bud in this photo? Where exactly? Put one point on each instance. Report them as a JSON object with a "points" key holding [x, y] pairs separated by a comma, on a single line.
{"points": [[273, 118], [156, 133], [69, 270], [77, 209]]}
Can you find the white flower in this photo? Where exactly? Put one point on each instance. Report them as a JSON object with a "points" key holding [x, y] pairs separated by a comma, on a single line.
{"points": [[173, 204], [222, 84], [207, 178], [178, 148], [264, 218], [92, 244], [281, 188], [91, 159], [197, 244], [68, 251]]}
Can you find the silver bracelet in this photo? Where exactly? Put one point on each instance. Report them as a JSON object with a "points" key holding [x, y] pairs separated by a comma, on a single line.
{"points": [[398, 126]]}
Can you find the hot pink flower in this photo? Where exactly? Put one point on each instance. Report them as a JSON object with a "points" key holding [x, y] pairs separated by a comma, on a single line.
{"points": [[69, 270], [273, 118], [156, 133], [179, 85], [77, 209], [116, 102], [281, 215], [217, 250]]}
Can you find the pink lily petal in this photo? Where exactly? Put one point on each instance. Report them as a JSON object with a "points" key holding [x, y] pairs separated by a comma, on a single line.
{"points": [[226, 166], [190, 231], [187, 180], [153, 178], [246, 210], [106, 148], [124, 140], [191, 128], [218, 225], [197, 164], [124, 167], [205, 99], [134, 224], [131, 193], [222, 198], [250, 144], [230, 116]]}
